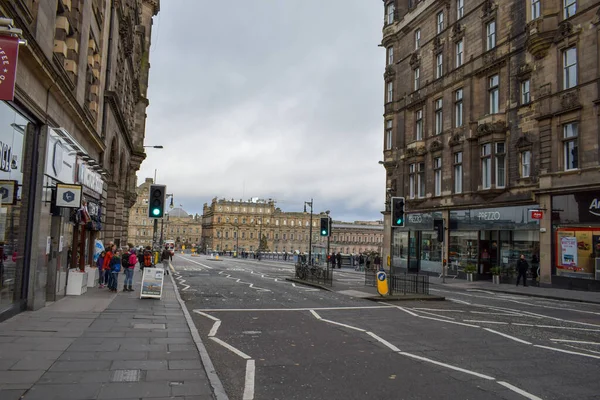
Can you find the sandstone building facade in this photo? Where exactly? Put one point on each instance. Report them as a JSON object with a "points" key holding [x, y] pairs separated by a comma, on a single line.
{"points": [[491, 124], [76, 118]]}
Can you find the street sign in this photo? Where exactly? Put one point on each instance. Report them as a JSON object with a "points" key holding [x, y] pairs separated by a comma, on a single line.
{"points": [[152, 283], [537, 214], [382, 283]]}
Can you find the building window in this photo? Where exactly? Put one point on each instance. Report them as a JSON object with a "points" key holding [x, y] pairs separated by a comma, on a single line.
{"points": [[570, 68], [525, 95], [493, 83], [390, 92], [388, 134], [460, 9], [439, 117], [536, 9], [490, 29], [458, 108], [500, 159], [525, 164], [439, 65], [417, 39], [421, 180], [390, 13], [437, 171], [458, 172], [411, 180], [459, 53], [440, 22], [419, 124], [417, 75], [571, 157], [390, 55], [486, 166], [569, 8]]}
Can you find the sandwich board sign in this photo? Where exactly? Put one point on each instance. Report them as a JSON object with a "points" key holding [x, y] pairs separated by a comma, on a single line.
{"points": [[152, 283]]}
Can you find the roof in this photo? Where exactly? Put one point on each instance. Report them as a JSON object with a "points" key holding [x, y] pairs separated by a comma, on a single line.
{"points": [[178, 213]]}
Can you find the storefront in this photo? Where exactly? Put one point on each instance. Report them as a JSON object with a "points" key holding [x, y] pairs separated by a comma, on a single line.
{"points": [[18, 133], [484, 238], [576, 240]]}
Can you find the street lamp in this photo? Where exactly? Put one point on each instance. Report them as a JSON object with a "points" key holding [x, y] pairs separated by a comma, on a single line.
{"points": [[310, 204], [162, 220], [155, 147]]}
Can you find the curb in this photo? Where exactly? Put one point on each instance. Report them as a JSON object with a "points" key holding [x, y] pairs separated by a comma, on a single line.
{"points": [[209, 368], [315, 285], [541, 296]]}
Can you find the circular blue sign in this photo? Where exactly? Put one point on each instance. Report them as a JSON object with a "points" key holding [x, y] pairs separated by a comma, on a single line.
{"points": [[381, 276]]}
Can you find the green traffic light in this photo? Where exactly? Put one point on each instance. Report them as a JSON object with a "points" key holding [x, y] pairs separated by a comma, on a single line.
{"points": [[323, 232], [156, 211], [399, 221]]}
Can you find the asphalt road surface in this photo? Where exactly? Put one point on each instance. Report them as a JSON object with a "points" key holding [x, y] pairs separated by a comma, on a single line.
{"points": [[269, 338]]}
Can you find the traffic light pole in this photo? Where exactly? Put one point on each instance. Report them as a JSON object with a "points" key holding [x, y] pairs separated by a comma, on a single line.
{"points": [[391, 256], [154, 241]]}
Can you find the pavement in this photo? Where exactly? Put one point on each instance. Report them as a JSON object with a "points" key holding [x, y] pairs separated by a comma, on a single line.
{"points": [[103, 345]]}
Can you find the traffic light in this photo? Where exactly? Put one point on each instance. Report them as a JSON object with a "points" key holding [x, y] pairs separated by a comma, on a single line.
{"points": [[156, 201], [325, 226], [398, 211], [438, 226]]}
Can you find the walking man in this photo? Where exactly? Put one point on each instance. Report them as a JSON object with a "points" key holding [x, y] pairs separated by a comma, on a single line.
{"points": [[522, 267], [166, 257]]}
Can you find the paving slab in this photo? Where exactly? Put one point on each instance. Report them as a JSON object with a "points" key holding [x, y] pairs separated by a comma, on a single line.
{"points": [[79, 391], [140, 364], [135, 390]]}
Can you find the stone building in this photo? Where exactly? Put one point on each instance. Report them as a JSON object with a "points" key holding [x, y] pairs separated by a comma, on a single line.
{"points": [[177, 225], [76, 118], [491, 124], [229, 225]]}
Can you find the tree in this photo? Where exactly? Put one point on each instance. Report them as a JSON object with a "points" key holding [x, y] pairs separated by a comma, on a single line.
{"points": [[264, 246]]}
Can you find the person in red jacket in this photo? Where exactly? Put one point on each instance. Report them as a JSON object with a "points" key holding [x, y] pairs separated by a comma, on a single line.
{"points": [[107, 257]]}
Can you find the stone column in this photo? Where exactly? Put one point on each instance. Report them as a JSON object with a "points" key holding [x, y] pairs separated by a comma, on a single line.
{"points": [[546, 240], [111, 209]]}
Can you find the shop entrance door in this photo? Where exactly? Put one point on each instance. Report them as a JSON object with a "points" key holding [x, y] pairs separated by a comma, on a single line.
{"points": [[425, 253], [489, 254]]}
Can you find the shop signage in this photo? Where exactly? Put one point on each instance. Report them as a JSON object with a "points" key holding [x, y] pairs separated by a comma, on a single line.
{"points": [[415, 218], [9, 52], [8, 192], [68, 196], [89, 178], [6, 161], [60, 163], [537, 214], [595, 207], [488, 215]]}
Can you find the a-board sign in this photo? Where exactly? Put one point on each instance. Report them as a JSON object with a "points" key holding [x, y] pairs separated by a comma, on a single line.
{"points": [[152, 283]]}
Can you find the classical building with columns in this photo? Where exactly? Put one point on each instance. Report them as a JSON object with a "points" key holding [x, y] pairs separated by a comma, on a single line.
{"points": [[491, 112]]}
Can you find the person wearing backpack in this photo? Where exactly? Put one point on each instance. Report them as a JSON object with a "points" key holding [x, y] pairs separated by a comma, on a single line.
{"points": [[115, 268], [147, 257], [132, 260], [125, 267], [165, 257]]}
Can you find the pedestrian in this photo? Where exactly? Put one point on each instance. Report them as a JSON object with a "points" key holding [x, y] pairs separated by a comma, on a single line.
{"points": [[339, 259], [100, 265], [332, 259], [106, 266], [377, 262], [130, 270], [115, 268], [165, 258], [535, 264], [522, 267], [148, 257], [125, 265]]}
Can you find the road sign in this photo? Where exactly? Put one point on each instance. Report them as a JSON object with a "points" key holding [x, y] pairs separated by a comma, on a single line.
{"points": [[382, 283]]}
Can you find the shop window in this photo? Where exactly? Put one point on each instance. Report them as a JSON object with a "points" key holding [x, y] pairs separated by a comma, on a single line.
{"points": [[459, 52], [437, 172], [458, 108], [458, 172], [490, 29], [494, 93], [462, 249], [421, 180], [569, 8], [439, 117], [570, 147]]}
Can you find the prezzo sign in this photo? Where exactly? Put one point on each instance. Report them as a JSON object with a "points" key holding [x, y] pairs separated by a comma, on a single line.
{"points": [[415, 218], [488, 215], [595, 207]]}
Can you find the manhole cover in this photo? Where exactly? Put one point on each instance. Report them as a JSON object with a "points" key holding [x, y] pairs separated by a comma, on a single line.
{"points": [[126, 375]]}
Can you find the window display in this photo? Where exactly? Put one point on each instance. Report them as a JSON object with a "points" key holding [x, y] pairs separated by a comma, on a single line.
{"points": [[576, 251]]}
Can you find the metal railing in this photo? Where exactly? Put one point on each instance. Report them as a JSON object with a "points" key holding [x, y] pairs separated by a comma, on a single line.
{"points": [[401, 284], [313, 273]]}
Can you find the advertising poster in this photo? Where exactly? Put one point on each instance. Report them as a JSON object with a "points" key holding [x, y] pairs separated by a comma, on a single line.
{"points": [[585, 262], [568, 246], [152, 283]]}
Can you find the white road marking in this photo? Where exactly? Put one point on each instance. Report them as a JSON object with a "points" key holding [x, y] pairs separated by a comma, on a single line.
{"points": [[441, 364], [579, 348], [249, 384], [557, 327], [436, 315], [508, 336], [214, 329], [286, 309], [458, 301], [567, 351], [519, 391], [195, 262], [399, 308], [448, 322], [481, 291], [384, 342], [575, 341], [317, 316], [206, 315], [438, 310], [231, 348], [485, 322]]}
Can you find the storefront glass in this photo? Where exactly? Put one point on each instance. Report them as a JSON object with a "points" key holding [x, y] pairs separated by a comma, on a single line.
{"points": [[13, 214], [462, 250], [576, 241]]}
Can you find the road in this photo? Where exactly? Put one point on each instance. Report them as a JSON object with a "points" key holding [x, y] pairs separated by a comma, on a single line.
{"points": [[269, 338]]}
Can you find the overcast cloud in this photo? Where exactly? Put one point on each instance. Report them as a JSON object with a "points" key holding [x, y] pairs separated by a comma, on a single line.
{"points": [[276, 99]]}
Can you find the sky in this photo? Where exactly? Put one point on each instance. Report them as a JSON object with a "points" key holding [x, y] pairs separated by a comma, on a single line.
{"points": [[270, 99]]}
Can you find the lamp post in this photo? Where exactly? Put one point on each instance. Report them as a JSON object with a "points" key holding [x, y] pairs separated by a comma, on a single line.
{"points": [[162, 220], [259, 237], [328, 236], [310, 204], [155, 147]]}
